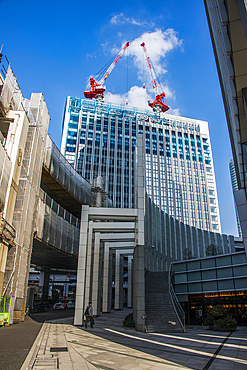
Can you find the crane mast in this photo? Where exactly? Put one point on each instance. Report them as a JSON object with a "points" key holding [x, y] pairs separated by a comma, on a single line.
{"points": [[97, 89], [159, 104]]}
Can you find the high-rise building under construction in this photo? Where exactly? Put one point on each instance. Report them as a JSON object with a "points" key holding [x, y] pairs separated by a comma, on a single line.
{"points": [[99, 139]]}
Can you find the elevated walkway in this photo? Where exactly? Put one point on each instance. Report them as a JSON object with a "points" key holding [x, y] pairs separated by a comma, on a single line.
{"points": [[160, 314], [62, 183]]}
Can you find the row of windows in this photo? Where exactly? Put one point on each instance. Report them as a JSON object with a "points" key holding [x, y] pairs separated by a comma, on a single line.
{"points": [[100, 134]]}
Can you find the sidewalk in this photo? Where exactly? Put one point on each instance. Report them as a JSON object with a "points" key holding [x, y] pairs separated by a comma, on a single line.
{"points": [[108, 346]]}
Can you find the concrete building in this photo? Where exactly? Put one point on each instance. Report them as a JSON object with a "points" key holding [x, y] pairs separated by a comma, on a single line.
{"points": [[228, 29], [40, 197], [24, 125], [99, 139]]}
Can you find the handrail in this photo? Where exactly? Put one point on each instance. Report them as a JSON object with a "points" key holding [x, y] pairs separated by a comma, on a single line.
{"points": [[175, 302]]}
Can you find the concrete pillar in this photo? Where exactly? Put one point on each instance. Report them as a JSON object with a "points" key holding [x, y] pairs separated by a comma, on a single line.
{"points": [[99, 194], [119, 281], [81, 268], [139, 251], [130, 282], [66, 287], [41, 283], [46, 280], [96, 286], [88, 290], [107, 279], [139, 288]]}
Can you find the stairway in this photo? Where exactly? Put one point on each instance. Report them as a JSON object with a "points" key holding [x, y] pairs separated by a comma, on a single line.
{"points": [[160, 314]]}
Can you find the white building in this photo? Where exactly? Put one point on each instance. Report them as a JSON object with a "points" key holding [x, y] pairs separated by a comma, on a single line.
{"points": [[100, 139]]}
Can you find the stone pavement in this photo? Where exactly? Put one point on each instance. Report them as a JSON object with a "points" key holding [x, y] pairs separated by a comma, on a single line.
{"points": [[108, 346]]}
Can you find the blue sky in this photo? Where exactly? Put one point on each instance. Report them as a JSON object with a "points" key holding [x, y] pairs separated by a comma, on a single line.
{"points": [[54, 47]]}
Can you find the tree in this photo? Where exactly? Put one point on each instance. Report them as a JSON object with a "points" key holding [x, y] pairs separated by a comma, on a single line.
{"points": [[213, 250], [188, 254]]}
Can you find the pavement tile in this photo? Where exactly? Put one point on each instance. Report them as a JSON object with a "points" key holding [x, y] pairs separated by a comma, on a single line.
{"points": [[110, 346]]}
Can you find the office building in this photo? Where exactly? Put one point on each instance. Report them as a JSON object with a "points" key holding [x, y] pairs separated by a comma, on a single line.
{"points": [[228, 29], [99, 139]]}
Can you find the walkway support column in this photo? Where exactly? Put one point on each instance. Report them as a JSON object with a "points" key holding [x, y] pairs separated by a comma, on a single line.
{"points": [[130, 282], [139, 260], [80, 286], [139, 288], [88, 291], [119, 281], [45, 288], [96, 286], [107, 279]]}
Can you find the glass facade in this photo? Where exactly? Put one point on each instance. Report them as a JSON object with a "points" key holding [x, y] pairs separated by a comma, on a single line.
{"points": [[99, 140], [202, 284]]}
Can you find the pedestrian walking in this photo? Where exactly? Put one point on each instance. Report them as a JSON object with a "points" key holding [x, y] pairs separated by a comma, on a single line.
{"points": [[89, 315]]}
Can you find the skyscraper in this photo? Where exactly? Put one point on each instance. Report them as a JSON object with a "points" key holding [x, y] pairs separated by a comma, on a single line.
{"points": [[99, 139]]}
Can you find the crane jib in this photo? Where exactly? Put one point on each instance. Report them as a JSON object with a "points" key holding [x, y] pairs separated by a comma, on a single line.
{"points": [[97, 90]]}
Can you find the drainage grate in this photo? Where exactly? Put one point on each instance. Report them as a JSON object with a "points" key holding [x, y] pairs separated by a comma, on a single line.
{"points": [[59, 349], [43, 363]]}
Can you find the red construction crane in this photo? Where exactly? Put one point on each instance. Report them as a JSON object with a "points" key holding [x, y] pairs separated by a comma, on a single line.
{"points": [[160, 103], [97, 89]]}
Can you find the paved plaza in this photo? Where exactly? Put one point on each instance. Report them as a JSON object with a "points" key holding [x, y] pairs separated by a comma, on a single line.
{"points": [[108, 346]]}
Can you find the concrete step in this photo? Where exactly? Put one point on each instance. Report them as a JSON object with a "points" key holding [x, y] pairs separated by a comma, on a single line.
{"points": [[161, 316]]}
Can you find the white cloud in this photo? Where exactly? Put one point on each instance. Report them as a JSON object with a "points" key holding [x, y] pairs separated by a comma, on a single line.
{"points": [[121, 19], [91, 55], [139, 97], [136, 97], [158, 44], [174, 112]]}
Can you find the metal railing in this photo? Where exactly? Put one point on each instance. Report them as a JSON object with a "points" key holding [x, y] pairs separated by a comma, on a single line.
{"points": [[175, 302]]}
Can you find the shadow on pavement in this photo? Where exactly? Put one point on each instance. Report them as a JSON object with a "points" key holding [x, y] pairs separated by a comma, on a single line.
{"points": [[17, 340]]}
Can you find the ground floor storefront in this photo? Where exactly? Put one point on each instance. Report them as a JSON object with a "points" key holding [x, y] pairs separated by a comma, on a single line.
{"points": [[198, 306]]}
